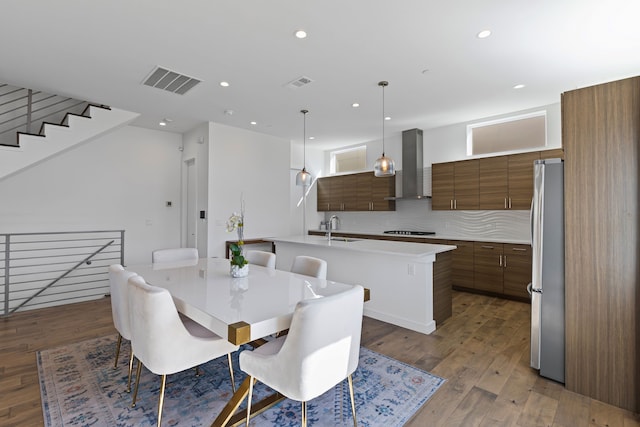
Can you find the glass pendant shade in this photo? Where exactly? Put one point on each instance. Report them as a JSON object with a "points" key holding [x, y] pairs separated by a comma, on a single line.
{"points": [[384, 166], [303, 177]]}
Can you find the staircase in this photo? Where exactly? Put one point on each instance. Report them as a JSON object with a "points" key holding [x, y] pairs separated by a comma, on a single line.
{"points": [[35, 126]]}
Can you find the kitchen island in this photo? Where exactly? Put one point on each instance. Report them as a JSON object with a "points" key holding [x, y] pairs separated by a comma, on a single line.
{"points": [[410, 283]]}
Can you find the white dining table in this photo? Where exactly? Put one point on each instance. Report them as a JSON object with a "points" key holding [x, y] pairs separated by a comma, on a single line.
{"points": [[239, 309], [242, 310]]}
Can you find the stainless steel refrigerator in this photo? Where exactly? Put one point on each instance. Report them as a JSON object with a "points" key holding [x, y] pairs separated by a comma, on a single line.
{"points": [[547, 285]]}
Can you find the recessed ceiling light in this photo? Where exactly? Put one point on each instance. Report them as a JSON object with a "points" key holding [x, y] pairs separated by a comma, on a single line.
{"points": [[162, 123], [355, 105], [312, 137], [520, 86], [301, 34], [387, 118], [484, 34], [254, 123], [165, 122], [224, 84]]}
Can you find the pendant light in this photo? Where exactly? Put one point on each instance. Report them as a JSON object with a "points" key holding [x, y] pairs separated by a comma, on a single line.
{"points": [[384, 166], [303, 177]]}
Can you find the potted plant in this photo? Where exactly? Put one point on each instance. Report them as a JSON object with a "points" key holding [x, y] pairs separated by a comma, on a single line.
{"points": [[239, 264]]}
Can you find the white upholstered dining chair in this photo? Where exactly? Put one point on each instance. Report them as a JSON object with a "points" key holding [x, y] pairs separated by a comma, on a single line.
{"points": [[174, 254], [310, 266], [321, 350], [263, 258], [166, 343], [118, 278]]}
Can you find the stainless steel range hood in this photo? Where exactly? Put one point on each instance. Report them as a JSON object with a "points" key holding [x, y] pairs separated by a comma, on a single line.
{"points": [[412, 166]]}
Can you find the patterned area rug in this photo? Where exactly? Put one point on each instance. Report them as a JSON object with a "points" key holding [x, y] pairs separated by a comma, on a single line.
{"points": [[79, 387]]}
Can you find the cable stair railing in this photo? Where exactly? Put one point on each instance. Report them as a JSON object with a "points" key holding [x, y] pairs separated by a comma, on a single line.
{"points": [[26, 111], [55, 268]]}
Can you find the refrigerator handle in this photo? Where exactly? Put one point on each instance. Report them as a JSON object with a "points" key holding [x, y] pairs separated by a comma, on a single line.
{"points": [[531, 220]]}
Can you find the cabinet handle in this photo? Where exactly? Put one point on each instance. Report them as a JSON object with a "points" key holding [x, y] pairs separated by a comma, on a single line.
{"points": [[505, 261], [505, 203], [451, 204], [509, 202], [487, 247], [519, 249], [500, 260], [455, 203]]}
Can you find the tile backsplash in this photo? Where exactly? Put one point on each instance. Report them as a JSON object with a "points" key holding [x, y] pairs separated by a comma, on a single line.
{"points": [[417, 215]]}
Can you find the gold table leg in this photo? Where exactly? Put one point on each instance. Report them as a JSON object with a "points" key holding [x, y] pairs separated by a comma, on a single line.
{"points": [[228, 415]]}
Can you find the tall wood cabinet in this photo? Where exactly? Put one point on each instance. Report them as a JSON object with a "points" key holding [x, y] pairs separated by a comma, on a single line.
{"points": [[601, 138]]}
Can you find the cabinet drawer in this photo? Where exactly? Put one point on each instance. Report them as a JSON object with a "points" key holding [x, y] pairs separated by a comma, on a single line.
{"points": [[518, 250]]}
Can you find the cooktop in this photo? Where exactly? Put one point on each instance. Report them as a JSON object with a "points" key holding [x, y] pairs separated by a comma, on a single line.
{"points": [[410, 232]]}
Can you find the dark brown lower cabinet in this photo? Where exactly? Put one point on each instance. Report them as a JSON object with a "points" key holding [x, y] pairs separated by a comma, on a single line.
{"points": [[487, 265], [517, 269], [442, 307], [462, 266], [502, 268]]}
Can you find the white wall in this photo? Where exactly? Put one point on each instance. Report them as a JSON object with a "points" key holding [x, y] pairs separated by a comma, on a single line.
{"points": [[119, 181], [255, 166], [314, 164]]}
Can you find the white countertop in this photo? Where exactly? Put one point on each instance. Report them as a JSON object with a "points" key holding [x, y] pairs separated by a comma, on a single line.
{"points": [[435, 236], [368, 245]]}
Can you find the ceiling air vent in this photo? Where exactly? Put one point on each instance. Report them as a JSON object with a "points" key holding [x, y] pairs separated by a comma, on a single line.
{"points": [[299, 82], [171, 81]]}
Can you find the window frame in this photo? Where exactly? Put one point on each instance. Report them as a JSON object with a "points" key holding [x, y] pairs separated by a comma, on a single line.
{"points": [[333, 162], [534, 114]]}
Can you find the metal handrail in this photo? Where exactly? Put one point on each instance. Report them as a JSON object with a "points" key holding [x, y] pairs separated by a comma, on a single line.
{"points": [[62, 276], [32, 264], [17, 102], [41, 118]]}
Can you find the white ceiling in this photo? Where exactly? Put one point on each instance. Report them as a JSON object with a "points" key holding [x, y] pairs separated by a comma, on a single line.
{"points": [[102, 50]]}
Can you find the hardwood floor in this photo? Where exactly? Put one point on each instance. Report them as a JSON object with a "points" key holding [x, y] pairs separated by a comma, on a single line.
{"points": [[482, 351]]}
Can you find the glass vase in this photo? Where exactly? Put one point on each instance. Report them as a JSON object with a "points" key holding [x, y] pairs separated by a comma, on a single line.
{"points": [[237, 271]]}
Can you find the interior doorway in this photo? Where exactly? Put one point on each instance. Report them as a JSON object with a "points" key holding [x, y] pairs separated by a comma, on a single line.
{"points": [[190, 218]]}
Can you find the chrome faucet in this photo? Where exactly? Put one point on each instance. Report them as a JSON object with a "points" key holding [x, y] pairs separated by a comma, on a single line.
{"points": [[330, 225]]}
